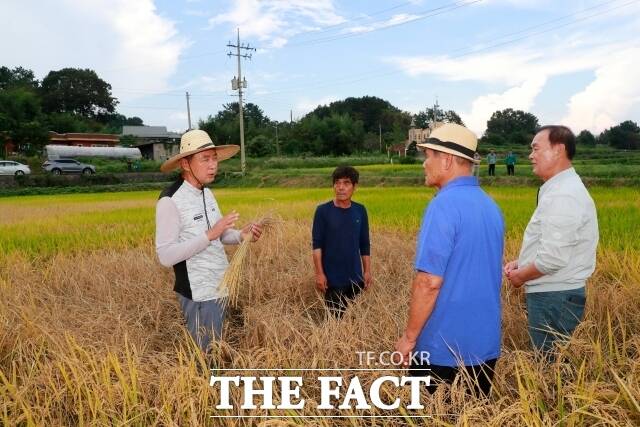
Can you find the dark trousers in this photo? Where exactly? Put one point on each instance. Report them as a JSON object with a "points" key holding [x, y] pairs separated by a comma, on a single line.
{"points": [[492, 170], [481, 375], [553, 316], [511, 169], [338, 299]]}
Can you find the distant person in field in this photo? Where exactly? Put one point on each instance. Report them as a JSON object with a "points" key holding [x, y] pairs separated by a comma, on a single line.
{"points": [[558, 251], [191, 232], [341, 247], [510, 161], [454, 311], [491, 161], [476, 164]]}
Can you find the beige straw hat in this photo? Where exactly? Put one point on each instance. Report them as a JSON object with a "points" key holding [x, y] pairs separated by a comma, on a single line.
{"points": [[195, 141], [453, 139]]}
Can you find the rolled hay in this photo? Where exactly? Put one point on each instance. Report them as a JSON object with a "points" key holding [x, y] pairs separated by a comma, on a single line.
{"points": [[233, 277]]}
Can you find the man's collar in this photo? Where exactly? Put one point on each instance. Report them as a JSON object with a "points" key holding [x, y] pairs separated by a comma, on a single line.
{"points": [[460, 182], [192, 188], [557, 178]]}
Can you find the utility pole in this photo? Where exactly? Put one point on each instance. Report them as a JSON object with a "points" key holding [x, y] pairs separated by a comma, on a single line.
{"points": [[380, 135], [238, 83], [291, 116], [188, 111], [277, 142]]}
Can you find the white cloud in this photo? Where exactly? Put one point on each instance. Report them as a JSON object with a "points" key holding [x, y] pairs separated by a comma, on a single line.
{"points": [[524, 71], [178, 116], [196, 12], [393, 21], [608, 99], [126, 42], [273, 22], [216, 82], [519, 97]]}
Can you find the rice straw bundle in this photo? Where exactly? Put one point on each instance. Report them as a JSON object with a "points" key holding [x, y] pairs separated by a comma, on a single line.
{"points": [[232, 278]]}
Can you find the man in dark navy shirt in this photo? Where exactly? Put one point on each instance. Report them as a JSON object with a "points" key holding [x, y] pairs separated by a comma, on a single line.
{"points": [[341, 248]]}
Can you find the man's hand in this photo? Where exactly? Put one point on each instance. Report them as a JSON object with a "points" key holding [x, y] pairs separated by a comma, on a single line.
{"points": [[225, 223], [513, 274], [509, 267], [405, 346], [321, 282], [368, 280], [251, 230], [515, 278]]}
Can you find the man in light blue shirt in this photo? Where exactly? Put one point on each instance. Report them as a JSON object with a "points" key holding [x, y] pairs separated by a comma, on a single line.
{"points": [[491, 161], [455, 313]]}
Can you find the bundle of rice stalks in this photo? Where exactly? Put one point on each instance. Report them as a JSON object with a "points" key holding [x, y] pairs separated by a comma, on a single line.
{"points": [[234, 275]]}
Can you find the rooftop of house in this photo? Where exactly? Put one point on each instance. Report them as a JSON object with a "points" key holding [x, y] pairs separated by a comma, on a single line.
{"points": [[149, 132]]}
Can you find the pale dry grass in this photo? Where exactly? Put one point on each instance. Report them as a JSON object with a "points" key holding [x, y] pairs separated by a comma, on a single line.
{"points": [[97, 339]]}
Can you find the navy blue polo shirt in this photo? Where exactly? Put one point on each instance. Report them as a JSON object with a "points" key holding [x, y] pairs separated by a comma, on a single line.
{"points": [[343, 236], [461, 240]]}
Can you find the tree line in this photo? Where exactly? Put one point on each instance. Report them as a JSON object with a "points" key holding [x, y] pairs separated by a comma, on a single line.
{"points": [[78, 100], [67, 100], [516, 127]]}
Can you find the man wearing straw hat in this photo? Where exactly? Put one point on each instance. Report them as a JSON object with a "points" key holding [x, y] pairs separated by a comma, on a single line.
{"points": [[191, 232], [454, 311]]}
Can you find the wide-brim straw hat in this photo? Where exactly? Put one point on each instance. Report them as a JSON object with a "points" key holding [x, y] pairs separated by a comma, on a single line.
{"points": [[453, 139], [195, 141]]}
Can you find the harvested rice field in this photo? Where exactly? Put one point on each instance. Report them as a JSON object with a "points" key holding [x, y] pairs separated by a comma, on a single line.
{"points": [[91, 332]]}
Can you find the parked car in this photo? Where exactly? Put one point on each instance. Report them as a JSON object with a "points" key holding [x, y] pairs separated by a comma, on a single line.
{"points": [[8, 167], [60, 166]]}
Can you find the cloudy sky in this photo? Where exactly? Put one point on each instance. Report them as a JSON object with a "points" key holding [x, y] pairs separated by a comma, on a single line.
{"points": [[575, 62]]}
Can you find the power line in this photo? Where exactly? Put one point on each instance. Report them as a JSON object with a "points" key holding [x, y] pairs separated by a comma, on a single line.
{"points": [[429, 13], [153, 63], [331, 28], [140, 107], [545, 23], [466, 52], [477, 50]]}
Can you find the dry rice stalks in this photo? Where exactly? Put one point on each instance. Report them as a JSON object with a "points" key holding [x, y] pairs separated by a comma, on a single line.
{"points": [[232, 278]]}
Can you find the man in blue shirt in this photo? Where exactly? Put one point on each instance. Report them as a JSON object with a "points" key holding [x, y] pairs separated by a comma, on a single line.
{"points": [[454, 312], [341, 248]]}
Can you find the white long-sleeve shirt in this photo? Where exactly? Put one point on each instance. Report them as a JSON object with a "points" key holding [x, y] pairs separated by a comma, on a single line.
{"points": [[562, 236], [182, 242]]}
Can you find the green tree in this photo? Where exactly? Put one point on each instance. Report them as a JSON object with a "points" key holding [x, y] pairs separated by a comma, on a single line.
{"points": [[625, 136], [515, 126], [372, 111], [66, 122], [585, 138], [21, 119], [376, 115], [423, 118], [17, 77], [77, 91], [260, 146], [492, 139], [224, 127], [338, 134], [113, 122]]}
